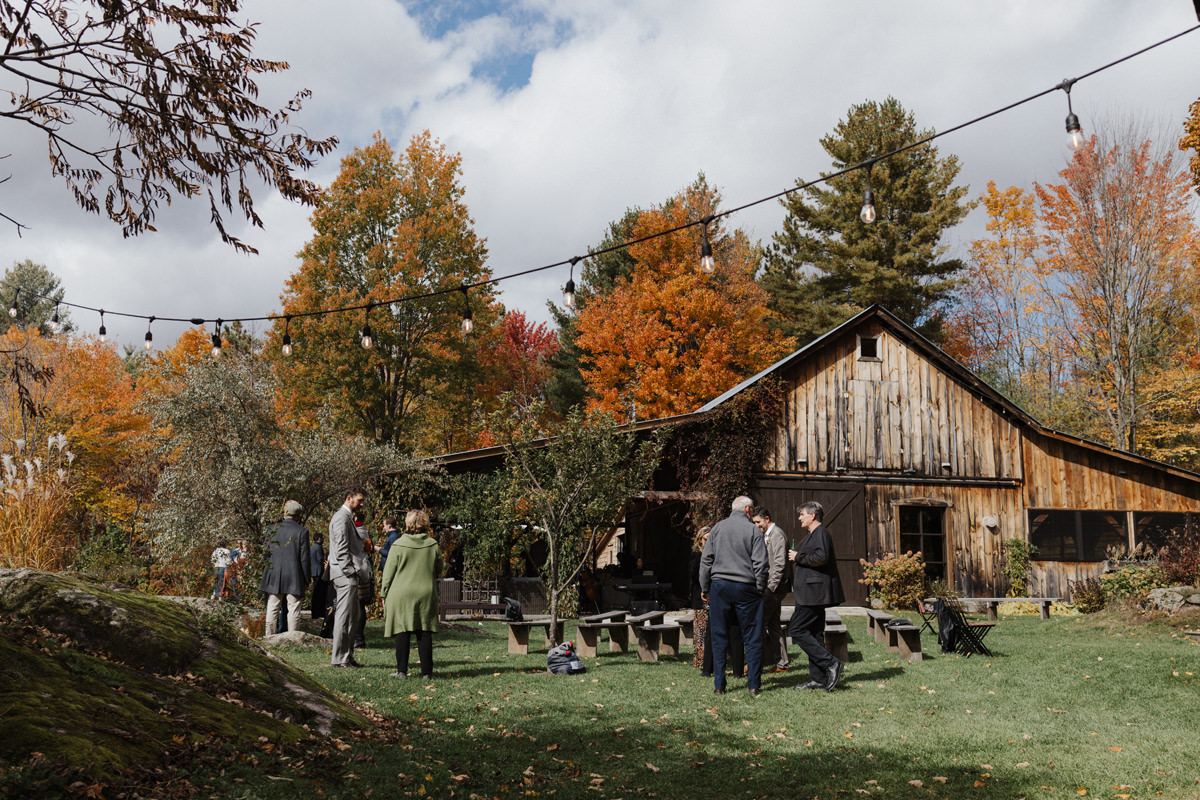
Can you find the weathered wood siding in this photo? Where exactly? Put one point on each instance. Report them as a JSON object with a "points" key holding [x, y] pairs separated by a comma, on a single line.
{"points": [[898, 413]]}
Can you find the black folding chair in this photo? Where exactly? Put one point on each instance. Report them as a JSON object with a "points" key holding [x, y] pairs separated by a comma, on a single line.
{"points": [[958, 634]]}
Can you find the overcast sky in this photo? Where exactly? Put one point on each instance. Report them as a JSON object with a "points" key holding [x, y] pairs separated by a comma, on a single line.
{"points": [[568, 112]]}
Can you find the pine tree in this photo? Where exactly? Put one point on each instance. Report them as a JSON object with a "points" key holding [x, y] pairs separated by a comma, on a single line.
{"points": [[826, 265]]}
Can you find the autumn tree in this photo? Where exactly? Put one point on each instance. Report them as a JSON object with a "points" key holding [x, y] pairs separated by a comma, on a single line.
{"points": [[826, 265], [390, 227], [1121, 249], [1191, 141], [36, 294], [231, 463], [669, 337], [571, 489], [517, 358], [173, 88], [1003, 327]]}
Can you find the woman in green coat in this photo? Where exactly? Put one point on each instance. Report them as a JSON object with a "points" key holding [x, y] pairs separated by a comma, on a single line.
{"points": [[410, 598]]}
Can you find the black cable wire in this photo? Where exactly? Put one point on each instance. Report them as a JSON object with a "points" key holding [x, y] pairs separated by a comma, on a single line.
{"points": [[1064, 85]]}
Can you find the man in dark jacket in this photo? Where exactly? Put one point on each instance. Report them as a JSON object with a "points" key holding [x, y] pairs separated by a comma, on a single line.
{"points": [[733, 576], [287, 573], [817, 587]]}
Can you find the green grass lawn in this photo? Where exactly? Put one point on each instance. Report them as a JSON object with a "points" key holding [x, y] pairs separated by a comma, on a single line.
{"points": [[1068, 707]]}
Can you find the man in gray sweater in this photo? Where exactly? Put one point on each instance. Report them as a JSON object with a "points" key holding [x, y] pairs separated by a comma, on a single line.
{"points": [[733, 576]]}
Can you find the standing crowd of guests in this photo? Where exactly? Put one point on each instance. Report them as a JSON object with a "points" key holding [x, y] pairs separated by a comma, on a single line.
{"points": [[742, 568]]}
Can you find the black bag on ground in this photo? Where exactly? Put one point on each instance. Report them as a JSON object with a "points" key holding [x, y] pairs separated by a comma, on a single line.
{"points": [[562, 660], [512, 610]]}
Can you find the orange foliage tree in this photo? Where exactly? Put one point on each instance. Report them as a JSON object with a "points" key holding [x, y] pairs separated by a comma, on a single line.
{"points": [[389, 226], [669, 337]]}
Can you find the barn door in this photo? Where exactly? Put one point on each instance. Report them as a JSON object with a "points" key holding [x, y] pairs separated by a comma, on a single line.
{"points": [[845, 517]]}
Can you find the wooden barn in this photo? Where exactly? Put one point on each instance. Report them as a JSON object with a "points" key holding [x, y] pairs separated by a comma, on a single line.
{"points": [[908, 450]]}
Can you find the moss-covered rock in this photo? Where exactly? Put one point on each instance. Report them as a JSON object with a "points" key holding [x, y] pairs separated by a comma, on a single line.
{"points": [[102, 677]]}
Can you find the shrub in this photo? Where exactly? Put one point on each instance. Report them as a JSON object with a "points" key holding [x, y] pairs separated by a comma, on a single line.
{"points": [[1180, 559], [1132, 582], [895, 581], [1087, 595], [35, 493], [1017, 553]]}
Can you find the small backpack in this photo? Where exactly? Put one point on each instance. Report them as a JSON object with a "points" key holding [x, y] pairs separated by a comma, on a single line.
{"points": [[562, 660], [512, 610]]}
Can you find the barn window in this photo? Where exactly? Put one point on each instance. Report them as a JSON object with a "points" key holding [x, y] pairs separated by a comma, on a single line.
{"points": [[1155, 528], [922, 530], [868, 348], [1076, 535]]}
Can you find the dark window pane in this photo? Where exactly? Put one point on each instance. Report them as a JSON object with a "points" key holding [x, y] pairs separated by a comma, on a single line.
{"points": [[868, 347], [1155, 528], [933, 521], [1102, 530], [1054, 534], [910, 519], [909, 542]]}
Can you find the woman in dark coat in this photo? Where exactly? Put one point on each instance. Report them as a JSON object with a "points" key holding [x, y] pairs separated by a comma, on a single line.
{"points": [[410, 598]]}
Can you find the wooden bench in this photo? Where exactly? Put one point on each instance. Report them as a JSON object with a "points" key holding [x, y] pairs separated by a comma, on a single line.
{"points": [[649, 618], [655, 639], [876, 622], [993, 604], [446, 606], [518, 634], [590, 627], [837, 641], [687, 629], [905, 640]]}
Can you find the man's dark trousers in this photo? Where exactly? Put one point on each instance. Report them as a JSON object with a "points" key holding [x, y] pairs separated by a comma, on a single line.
{"points": [[745, 601], [808, 631]]}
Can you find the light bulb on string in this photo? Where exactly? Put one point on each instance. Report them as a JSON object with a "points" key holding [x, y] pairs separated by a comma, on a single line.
{"points": [[12, 310], [367, 341], [287, 339], [569, 289], [1074, 133], [468, 322], [149, 335], [867, 214], [54, 320], [216, 340], [708, 264], [103, 331]]}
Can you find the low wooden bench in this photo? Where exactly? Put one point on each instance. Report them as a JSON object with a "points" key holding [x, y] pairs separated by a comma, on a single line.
{"points": [[447, 606], [518, 634], [687, 629], [993, 604], [655, 639], [876, 622], [905, 640], [837, 640], [649, 618], [590, 627]]}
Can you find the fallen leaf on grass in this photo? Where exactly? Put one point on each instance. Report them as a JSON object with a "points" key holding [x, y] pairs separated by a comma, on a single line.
{"points": [[939, 778], [1081, 791], [916, 783], [979, 783], [1055, 710], [552, 748], [1115, 748], [1022, 764], [651, 767]]}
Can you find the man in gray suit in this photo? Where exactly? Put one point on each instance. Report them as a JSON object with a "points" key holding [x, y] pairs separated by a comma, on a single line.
{"points": [[346, 561], [287, 573], [779, 583]]}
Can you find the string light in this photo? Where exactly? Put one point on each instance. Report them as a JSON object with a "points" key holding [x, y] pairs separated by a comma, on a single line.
{"points": [[12, 310], [867, 214], [287, 339], [569, 289], [1074, 133], [367, 342], [708, 264], [149, 335], [54, 320], [216, 339], [468, 323]]}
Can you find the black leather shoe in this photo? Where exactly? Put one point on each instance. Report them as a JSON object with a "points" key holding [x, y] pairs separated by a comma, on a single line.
{"points": [[810, 686], [835, 675], [755, 692], [718, 691]]}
